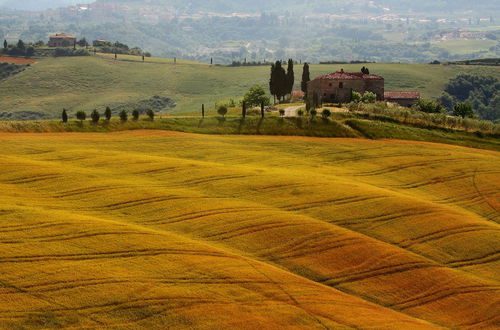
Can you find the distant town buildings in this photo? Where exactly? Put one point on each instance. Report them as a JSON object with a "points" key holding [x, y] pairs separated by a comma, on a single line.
{"points": [[337, 87], [62, 40]]}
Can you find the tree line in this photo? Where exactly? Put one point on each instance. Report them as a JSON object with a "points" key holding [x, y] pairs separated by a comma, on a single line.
{"points": [[19, 49], [95, 116]]}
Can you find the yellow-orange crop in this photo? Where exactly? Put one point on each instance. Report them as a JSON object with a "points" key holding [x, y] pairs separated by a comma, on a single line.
{"points": [[170, 230]]}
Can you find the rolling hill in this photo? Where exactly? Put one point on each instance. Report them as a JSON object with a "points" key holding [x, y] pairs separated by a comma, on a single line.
{"points": [[86, 83], [161, 229]]}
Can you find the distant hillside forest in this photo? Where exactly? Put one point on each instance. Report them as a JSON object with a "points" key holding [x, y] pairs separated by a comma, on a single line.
{"points": [[318, 6], [316, 31]]}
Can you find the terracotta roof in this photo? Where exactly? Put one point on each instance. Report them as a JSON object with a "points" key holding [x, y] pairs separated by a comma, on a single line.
{"points": [[402, 95], [342, 75], [62, 35]]}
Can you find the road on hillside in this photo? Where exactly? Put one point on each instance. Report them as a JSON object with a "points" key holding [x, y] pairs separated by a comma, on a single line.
{"points": [[292, 111]]}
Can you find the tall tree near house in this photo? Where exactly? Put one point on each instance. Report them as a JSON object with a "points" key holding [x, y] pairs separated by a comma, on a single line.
{"points": [[272, 82], [290, 77], [281, 80], [306, 77]]}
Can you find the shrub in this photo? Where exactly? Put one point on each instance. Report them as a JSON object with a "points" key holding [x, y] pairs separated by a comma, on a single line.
{"points": [[81, 116], [151, 114], [135, 115], [326, 113], [282, 112], [222, 110], [356, 97], [429, 106], [95, 116], [369, 97], [123, 115], [300, 112], [313, 113]]}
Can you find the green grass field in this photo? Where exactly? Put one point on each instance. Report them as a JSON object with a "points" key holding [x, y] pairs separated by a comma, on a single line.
{"points": [[152, 229], [463, 47], [86, 83]]}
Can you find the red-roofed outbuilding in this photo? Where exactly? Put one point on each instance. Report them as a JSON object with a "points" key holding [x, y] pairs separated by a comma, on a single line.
{"points": [[405, 99]]}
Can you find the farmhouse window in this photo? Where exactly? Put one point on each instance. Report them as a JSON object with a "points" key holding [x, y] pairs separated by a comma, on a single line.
{"points": [[341, 85]]}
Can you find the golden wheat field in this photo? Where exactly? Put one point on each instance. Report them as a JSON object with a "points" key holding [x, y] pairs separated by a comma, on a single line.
{"points": [[150, 229]]}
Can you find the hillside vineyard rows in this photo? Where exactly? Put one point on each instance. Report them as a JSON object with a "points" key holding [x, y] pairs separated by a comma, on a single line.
{"points": [[161, 229]]}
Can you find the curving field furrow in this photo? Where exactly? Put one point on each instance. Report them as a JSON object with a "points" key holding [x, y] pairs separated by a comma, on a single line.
{"points": [[163, 229], [441, 294]]}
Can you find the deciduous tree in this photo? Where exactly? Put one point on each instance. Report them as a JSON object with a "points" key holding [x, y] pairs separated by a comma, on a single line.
{"points": [[95, 116], [123, 116], [135, 115], [81, 116], [463, 110]]}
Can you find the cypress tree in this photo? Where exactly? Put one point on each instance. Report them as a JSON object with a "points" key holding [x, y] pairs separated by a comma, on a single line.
{"points": [[272, 82], [290, 77], [107, 113], [306, 77], [64, 116], [281, 81], [244, 109], [5, 44], [262, 109], [203, 111]]}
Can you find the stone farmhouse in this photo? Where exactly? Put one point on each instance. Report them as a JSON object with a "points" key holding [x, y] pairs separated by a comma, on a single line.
{"points": [[337, 87], [62, 40]]}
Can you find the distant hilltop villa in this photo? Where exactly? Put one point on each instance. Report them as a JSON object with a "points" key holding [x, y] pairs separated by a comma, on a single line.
{"points": [[62, 40], [337, 87]]}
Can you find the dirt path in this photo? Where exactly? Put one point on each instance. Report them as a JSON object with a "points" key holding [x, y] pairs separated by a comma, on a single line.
{"points": [[292, 111]]}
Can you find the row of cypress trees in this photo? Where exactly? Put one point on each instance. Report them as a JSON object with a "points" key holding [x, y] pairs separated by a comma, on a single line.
{"points": [[281, 82]]}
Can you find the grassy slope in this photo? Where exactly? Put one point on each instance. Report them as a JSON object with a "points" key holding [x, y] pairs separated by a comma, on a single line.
{"points": [[89, 82], [156, 229], [341, 125]]}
